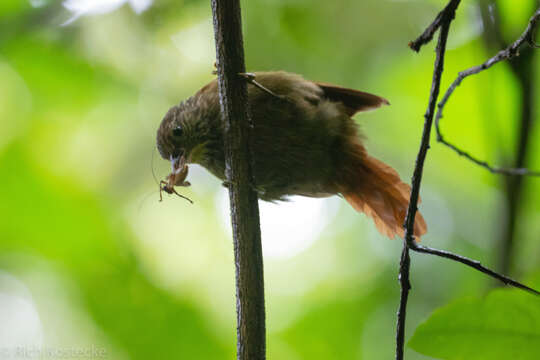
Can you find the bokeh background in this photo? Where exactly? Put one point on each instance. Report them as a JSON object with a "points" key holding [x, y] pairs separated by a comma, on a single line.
{"points": [[89, 258]]}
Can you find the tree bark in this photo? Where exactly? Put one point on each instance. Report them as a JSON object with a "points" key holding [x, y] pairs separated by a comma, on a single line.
{"points": [[251, 342]]}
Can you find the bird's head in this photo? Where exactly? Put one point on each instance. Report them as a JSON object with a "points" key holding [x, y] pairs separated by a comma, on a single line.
{"points": [[188, 130]]}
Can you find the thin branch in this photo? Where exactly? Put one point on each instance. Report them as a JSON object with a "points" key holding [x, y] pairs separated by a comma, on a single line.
{"points": [[405, 284], [446, 17], [427, 35], [251, 344], [510, 52], [484, 164], [475, 264], [442, 21]]}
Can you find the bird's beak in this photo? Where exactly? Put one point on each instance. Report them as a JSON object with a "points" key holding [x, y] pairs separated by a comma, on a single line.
{"points": [[178, 162], [174, 160]]}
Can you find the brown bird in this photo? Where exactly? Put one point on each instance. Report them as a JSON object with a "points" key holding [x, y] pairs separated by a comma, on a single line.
{"points": [[304, 142]]}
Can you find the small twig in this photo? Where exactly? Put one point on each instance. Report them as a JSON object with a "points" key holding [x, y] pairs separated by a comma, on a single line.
{"points": [[472, 263], [405, 284], [427, 35], [443, 20], [511, 51], [446, 18], [484, 164]]}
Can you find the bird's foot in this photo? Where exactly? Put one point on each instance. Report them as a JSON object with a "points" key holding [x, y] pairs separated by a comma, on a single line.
{"points": [[260, 191], [250, 78]]}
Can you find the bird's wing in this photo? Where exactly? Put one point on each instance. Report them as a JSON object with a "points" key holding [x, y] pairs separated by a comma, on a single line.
{"points": [[353, 100]]}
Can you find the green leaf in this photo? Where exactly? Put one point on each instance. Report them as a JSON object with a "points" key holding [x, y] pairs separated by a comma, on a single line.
{"points": [[503, 325]]}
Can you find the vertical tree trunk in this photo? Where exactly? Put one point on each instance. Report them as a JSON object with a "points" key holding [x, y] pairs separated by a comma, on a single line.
{"points": [[251, 344]]}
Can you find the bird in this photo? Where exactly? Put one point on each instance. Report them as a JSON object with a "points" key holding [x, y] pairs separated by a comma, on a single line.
{"points": [[303, 142]]}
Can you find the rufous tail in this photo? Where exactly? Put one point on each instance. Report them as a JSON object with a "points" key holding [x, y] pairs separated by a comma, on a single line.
{"points": [[380, 194]]}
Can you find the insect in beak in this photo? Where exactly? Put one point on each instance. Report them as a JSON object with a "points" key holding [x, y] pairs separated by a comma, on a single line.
{"points": [[177, 177]]}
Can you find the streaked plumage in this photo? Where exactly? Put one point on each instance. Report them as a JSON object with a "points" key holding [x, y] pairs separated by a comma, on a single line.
{"points": [[306, 144]]}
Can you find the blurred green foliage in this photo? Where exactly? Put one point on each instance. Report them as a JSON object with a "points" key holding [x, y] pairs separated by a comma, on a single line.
{"points": [[104, 263], [503, 325]]}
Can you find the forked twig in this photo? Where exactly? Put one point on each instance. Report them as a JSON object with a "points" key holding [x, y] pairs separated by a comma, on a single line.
{"points": [[444, 18], [442, 21], [511, 51], [427, 35]]}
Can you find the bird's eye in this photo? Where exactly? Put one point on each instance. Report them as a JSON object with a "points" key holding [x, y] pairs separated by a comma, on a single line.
{"points": [[177, 131]]}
